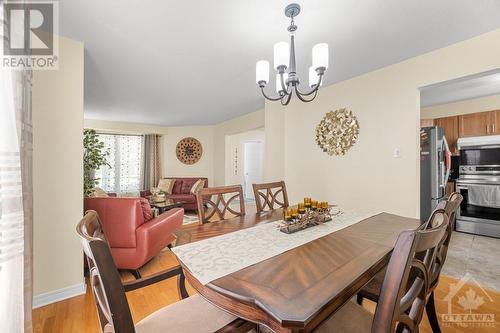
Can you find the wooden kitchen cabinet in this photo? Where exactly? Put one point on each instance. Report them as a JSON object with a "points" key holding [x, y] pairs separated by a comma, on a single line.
{"points": [[450, 127], [476, 124], [495, 115]]}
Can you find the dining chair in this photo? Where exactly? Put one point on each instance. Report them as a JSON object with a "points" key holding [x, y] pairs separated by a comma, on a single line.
{"points": [[372, 289], [405, 288], [192, 314], [268, 195], [217, 203]]}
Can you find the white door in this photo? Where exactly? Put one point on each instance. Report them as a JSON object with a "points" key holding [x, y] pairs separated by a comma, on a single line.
{"points": [[253, 157]]}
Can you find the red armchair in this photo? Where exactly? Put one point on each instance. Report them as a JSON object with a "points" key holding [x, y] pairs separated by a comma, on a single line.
{"points": [[133, 239]]}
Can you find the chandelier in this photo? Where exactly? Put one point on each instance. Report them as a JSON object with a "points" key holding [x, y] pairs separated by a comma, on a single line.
{"points": [[287, 80]]}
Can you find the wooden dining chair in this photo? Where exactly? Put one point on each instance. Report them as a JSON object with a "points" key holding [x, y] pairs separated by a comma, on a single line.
{"points": [[218, 203], [405, 288], [267, 196], [372, 289], [192, 314]]}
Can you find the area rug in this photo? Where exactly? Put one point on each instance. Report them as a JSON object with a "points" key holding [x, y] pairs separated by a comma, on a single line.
{"points": [[189, 219]]}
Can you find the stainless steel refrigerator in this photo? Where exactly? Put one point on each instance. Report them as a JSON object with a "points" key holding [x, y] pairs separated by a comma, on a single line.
{"points": [[435, 164]]}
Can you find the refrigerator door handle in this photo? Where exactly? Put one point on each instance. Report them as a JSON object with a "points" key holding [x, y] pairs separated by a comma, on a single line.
{"points": [[447, 154]]}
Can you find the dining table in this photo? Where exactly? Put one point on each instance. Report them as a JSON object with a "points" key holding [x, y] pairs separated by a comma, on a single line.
{"points": [[297, 290]]}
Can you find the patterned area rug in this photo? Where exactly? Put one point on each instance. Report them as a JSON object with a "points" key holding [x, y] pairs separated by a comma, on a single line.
{"points": [[189, 219]]}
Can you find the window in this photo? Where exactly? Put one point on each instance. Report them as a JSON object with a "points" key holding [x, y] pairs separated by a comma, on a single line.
{"points": [[124, 176]]}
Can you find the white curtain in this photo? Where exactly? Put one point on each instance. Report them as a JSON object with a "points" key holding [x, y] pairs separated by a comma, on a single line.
{"points": [[124, 175], [15, 202]]}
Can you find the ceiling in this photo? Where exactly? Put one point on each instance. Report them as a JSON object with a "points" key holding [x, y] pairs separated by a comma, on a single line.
{"points": [[481, 85], [190, 62]]}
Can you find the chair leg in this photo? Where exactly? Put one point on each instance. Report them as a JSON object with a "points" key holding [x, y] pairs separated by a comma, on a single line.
{"points": [[181, 286], [135, 273], [430, 308], [359, 299]]}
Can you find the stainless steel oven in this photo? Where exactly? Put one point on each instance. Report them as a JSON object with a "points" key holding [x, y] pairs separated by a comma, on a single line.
{"points": [[479, 184]]}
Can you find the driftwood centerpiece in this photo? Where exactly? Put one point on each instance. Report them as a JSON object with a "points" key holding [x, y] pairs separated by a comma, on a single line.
{"points": [[306, 215]]}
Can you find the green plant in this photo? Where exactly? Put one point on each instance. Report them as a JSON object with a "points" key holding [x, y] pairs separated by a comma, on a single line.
{"points": [[94, 157]]}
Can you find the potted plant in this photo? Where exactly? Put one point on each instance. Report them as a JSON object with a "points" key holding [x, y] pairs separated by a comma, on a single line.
{"points": [[94, 156]]}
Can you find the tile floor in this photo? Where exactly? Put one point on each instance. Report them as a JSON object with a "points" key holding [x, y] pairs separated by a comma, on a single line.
{"points": [[477, 255]]}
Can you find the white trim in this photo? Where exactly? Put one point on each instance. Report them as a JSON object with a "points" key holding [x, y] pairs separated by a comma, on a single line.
{"points": [[58, 295]]}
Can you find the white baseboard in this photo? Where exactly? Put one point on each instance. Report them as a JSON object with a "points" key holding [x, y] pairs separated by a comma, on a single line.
{"points": [[58, 295]]}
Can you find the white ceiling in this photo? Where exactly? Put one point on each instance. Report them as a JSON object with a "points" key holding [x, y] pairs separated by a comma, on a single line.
{"points": [[192, 62], [481, 85]]}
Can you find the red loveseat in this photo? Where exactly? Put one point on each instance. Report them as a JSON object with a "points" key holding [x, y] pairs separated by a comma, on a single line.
{"points": [[133, 239], [182, 191]]}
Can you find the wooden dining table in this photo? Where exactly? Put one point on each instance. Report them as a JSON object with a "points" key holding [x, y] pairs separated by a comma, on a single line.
{"points": [[297, 290]]}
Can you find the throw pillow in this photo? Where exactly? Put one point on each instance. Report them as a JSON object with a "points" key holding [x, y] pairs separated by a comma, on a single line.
{"points": [[146, 210], [200, 183], [166, 185], [99, 193]]}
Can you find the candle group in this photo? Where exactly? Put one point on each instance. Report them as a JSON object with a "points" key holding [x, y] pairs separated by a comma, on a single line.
{"points": [[293, 212], [309, 203]]}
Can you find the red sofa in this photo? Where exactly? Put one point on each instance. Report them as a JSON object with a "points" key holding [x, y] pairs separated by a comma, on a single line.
{"points": [[133, 240], [182, 191]]}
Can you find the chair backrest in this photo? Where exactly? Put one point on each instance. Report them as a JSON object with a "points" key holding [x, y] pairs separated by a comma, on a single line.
{"points": [[120, 218], [112, 306], [267, 196], [450, 207], [213, 205], [406, 284]]}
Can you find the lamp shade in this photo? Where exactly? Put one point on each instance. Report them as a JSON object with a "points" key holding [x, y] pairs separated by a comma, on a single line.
{"points": [[320, 56], [313, 77], [281, 54], [278, 82], [262, 71]]}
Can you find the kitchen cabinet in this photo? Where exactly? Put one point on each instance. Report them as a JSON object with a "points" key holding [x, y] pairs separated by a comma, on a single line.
{"points": [[495, 122], [476, 124], [450, 127]]}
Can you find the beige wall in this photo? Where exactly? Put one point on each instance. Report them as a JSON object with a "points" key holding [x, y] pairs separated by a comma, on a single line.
{"points": [[487, 103], [58, 171], [241, 124], [274, 155], [237, 141], [386, 103], [204, 167]]}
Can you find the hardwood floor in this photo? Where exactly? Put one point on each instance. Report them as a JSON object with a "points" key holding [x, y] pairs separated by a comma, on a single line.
{"points": [[78, 314]]}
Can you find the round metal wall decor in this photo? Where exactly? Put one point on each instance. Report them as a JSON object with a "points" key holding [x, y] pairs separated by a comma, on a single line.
{"points": [[337, 132], [189, 150]]}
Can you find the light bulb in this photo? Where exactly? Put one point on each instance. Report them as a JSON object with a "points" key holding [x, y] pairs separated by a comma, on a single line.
{"points": [[320, 56], [278, 82], [313, 77], [262, 71], [281, 54]]}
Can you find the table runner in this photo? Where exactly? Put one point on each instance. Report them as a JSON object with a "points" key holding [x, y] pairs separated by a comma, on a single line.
{"points": [[215, 257]]}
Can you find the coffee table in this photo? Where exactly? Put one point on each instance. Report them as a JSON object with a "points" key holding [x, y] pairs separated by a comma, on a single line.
{"points": [[166, 205]]}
